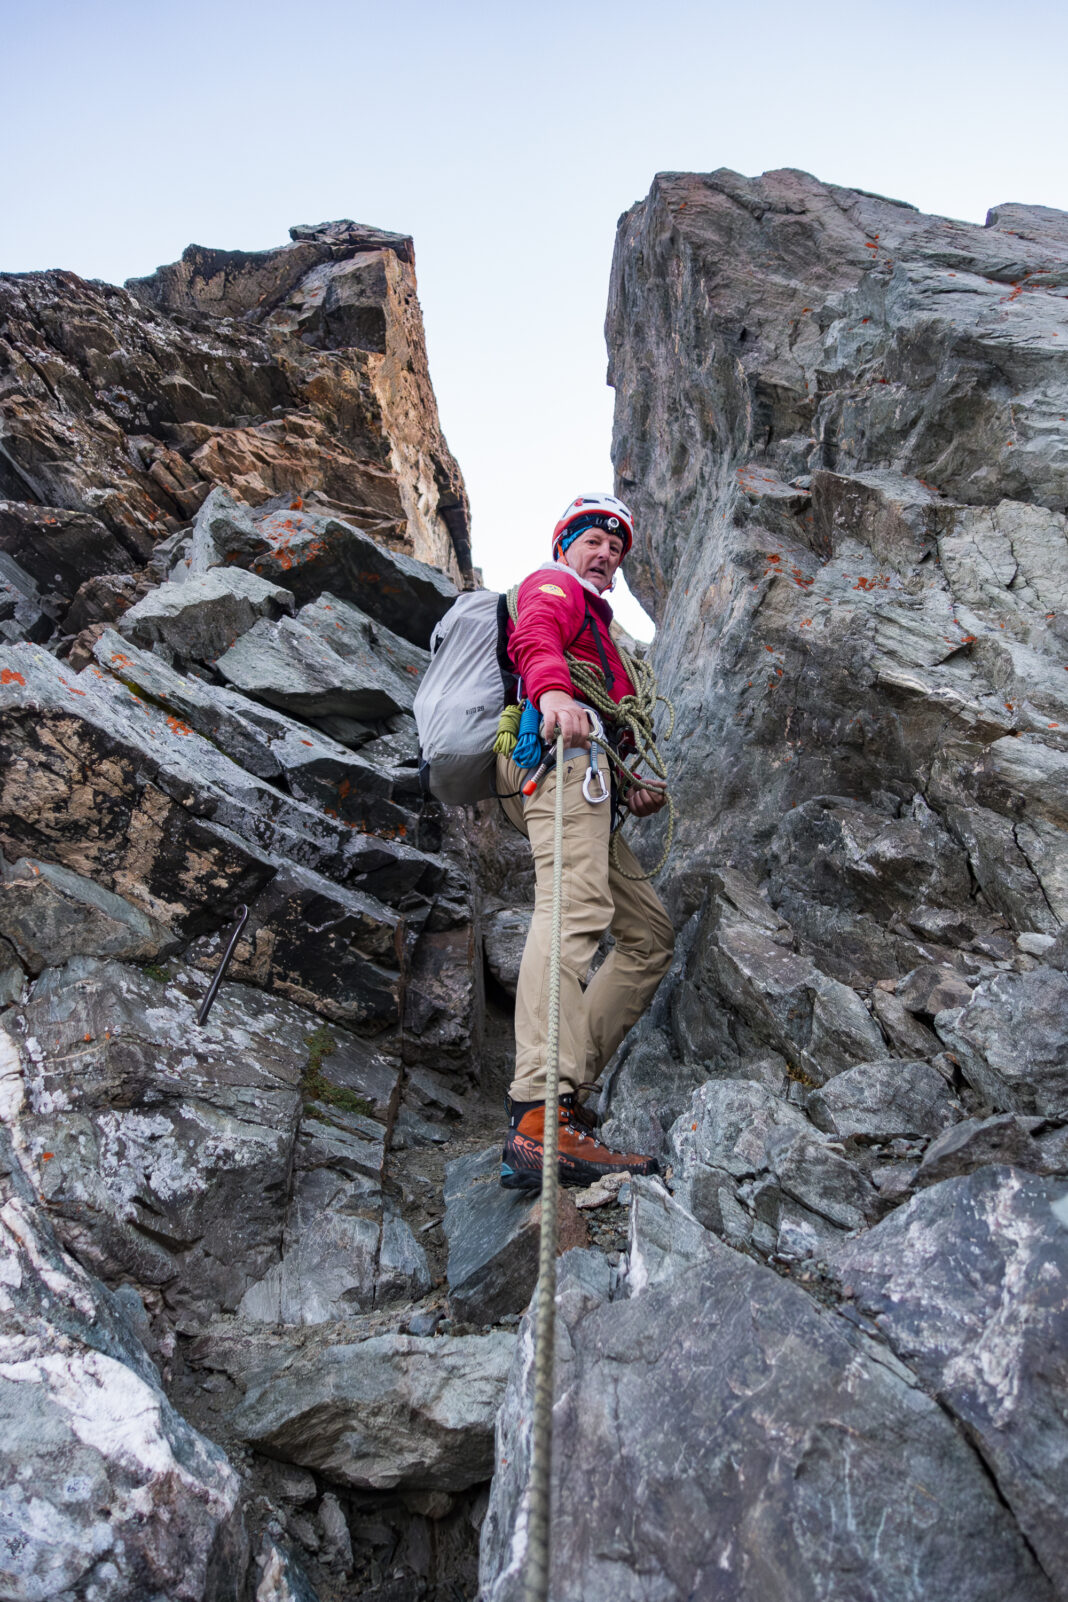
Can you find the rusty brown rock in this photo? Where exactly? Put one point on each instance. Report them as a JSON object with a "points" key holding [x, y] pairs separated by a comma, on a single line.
{"points": [[299, 371]]}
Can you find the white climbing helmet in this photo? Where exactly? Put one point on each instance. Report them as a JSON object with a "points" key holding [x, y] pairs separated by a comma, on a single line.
{"points": [[594, 511]]}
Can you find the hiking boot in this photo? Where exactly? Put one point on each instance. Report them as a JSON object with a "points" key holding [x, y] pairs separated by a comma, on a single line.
{"points": [[581, 1113], [581, 1158]]}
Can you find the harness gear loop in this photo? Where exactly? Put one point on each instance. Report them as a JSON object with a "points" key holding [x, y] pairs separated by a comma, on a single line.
{"points": [[634, 715], [536, 1579]]}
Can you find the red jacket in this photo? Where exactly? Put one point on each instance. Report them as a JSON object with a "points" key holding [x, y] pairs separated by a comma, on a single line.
{"points": [[557, 614]]}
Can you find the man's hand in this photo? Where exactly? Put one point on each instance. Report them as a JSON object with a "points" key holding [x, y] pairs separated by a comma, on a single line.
{"points": [[643, 803], [558, 708]]}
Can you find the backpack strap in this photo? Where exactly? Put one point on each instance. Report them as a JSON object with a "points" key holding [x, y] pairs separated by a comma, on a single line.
{"points": [[590, 622], [506, 607]]}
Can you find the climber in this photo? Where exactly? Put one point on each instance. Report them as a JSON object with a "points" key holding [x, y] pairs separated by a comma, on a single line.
{"points": [[561, 609]]}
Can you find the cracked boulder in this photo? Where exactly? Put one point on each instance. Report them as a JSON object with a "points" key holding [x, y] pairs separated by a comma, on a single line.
{"points": [[330, 660], [107, 1491], [700, 1385], [968, 1285], [163, 1151], [201, 618], [1011, 1040], [312, 552], [818, 1024], [885, 1100], [751, 1167], [1006, 1139], [371, 1412]]}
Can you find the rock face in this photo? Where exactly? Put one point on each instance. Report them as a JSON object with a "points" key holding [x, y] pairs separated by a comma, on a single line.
{"points": [[106, 1488], [228, 524], [299, 372], [681, 1399], [260, 1289], [841, 426]]}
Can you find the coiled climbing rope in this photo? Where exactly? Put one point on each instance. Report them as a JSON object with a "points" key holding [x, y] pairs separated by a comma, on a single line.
{"points": [[634, 715], [536, 1577]]}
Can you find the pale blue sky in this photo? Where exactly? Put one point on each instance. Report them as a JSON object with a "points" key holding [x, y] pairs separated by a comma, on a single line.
{"points": [[507, 141]]}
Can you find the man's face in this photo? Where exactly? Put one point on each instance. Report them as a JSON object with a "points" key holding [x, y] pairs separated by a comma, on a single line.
{"points": [[596, 556]]}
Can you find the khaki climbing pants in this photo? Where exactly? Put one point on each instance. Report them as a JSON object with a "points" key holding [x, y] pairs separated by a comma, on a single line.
{"points": [[596, 897]]}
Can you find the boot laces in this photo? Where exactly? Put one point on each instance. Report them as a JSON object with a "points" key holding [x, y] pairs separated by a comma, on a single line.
{"points": [[570, 1123]]}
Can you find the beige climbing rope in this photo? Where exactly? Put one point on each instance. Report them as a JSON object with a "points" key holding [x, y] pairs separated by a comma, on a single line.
{"points": [[536, 1578]]}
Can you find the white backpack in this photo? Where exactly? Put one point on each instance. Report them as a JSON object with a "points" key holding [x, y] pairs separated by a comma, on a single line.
{"points": [[463, 693]]}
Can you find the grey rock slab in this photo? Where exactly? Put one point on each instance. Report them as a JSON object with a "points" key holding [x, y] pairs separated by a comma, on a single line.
{"points": [[106, 1489], [343, 1143], [383, 1413], [326, 775], [820, 1179], [904, 1032], [665, 1240], [330, 1246], [202, 617], [897, 517], [721, 1139], [59, 548], [432, 1093], [883, 1100], [353, 634], [318, 770], [402, 1273], [493, 1238], [23, 613], [844, 854], [932, 989], [504, 934], [969, 1286], [118, 788], [819, 1024], [241, 728], [171, 1146], [50, 914], [1011, 1041], [740, 1155], [299, 665], [1007, 1138], [310, 552], [677, 1402], [101, 600]]}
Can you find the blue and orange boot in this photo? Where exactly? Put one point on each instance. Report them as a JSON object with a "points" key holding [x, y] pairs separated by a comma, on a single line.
{"points": [[581, 1159]]}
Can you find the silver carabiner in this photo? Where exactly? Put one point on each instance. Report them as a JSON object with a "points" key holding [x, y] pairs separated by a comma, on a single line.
{"points": [[593, 772]]}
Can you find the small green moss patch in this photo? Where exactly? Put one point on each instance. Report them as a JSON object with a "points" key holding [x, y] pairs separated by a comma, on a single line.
{"points": [[315, 1085], [154, 971]]}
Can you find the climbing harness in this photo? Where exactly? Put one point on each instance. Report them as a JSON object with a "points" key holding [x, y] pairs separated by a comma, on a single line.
{"points": [[536, 1579], [634, 715]]}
